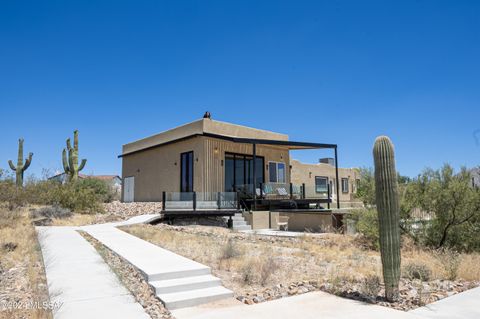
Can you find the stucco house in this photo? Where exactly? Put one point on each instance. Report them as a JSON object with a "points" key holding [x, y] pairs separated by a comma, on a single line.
{"points": [[214, 167]]}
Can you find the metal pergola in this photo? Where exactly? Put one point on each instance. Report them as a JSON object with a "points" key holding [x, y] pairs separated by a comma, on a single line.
{"points": [[290, 145]]}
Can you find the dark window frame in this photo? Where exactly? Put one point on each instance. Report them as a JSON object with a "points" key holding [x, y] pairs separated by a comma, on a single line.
{"points": [[192, 170], [345, 190], [235, 155], [276, 171], [328, 181]]}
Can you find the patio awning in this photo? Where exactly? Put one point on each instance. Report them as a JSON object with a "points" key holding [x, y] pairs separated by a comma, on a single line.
{"points": [[290, 145]]}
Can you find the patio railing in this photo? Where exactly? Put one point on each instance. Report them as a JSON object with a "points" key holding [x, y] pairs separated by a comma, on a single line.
{"points": [[198, 201]]}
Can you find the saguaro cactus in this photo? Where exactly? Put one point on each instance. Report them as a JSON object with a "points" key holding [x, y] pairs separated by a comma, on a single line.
{"points": [[70, 160], [386, 189], [21, 167]]}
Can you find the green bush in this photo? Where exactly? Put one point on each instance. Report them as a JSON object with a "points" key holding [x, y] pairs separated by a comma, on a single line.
{"points": [[366, 223], [78, 197], [84, 196]]}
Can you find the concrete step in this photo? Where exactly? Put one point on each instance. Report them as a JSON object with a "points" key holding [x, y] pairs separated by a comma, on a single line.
{"points": [[195, 297], [239, 223], [194, 272], [242, 227], [240, 218], [184, 284]]}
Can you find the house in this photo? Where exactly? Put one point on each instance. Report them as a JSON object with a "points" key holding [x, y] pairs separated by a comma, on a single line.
{"points": [[320, 181], [214, 167], [475, 175]]}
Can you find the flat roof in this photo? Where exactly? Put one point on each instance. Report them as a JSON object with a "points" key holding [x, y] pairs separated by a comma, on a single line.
{"points": [[290, 145], [200, 127]]}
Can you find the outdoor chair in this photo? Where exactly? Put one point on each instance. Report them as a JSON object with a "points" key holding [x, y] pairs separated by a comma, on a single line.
{"points": [[282, 191], [282, 222]]}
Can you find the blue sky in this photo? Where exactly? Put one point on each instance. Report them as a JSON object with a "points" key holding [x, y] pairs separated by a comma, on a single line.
{"points": [[338, 72]]}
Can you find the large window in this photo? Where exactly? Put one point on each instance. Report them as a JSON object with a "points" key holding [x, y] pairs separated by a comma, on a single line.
{"points": [[344, 185], [239, 171], [276, 172], [321, 184], [186, 174]]}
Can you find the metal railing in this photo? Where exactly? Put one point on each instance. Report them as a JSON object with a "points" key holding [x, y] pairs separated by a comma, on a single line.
{"points": [[199, 200]]}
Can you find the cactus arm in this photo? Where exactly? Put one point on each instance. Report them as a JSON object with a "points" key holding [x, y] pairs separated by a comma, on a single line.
{"points": [[71, 163], [10, 163], [28, 161], [82, 164], [66, 168], [69, 146], [75, 140]]}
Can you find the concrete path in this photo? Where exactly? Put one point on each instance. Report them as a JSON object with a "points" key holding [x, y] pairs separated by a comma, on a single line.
{"points": [[460, 306], [79, 279], [314, 305], [178, 281]]}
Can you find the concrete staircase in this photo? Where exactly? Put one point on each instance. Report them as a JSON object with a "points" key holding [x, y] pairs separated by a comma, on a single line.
{"points": [[178, 281], [239, 222]]}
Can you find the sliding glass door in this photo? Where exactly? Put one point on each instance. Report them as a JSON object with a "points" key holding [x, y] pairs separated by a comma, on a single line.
{"points": [[239, 171]]}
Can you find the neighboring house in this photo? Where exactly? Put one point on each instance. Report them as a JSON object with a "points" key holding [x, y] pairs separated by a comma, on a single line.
{"points": [[320, 180], [206, 163], [475, 174]]}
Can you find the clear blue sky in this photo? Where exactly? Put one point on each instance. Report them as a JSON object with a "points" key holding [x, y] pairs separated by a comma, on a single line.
{"points": [[322, 71]]}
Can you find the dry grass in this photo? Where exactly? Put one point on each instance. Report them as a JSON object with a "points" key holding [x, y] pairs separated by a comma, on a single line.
{"points": [[77, 220], [23, 278], [306, 258]]}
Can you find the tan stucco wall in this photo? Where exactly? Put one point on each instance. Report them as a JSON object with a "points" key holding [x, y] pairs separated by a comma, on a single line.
{"points": [[155, 170], [305, 173], [259, 219], [199, 127], [309, 222]]}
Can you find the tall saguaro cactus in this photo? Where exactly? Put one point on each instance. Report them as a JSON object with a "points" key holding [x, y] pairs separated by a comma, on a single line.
{"points": [[386, 189], [70, 160], [21, 167]]}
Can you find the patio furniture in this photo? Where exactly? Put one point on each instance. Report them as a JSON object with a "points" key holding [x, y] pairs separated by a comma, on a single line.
{"points": [[282, 221], [282, 191]]}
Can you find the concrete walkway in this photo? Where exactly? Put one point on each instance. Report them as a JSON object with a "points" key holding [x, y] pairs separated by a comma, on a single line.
{"points": [[179, 282], [79, 279], [460, 306], [314, 305]]}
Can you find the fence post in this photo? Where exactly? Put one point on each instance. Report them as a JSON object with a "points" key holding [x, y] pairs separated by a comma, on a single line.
{"points": [[164, 199], [238, 200], [219, 203], [303, 190], [194, 201]]}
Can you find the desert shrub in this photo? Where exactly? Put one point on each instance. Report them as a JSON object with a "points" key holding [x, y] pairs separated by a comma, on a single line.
{"points": [[366, 223], [51, 212], [370, 286], [451, 207], [450, 260], [9, 218], [268, 267], [249, 272], [101, 188], [230, 250], [77, 197], [417, 271]]}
